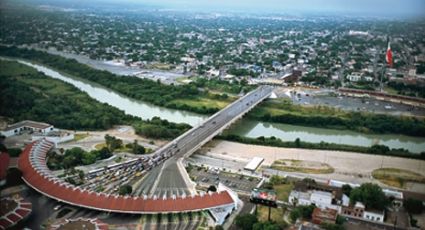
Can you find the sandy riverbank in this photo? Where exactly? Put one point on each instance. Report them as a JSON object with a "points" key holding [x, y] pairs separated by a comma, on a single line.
{"points": [[342, 162]]}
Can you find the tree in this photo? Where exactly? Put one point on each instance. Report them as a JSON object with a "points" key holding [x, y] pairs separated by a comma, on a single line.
{"points": [[301, 211], [346, 189], [81, 174], [246, 221], [275, 180], [413, 206], [219, 227], [371, 195], [265, 226], [294, 215], [297, 142], [137, 149], [112, 142], [125, 190]]}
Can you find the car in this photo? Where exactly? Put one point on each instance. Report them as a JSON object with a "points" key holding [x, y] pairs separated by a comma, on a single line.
{"points": [[57, 207]]}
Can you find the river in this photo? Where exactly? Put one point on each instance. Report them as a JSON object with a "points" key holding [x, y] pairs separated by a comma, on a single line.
{"points": [[128, 105], [244, 127], [250, 128]]}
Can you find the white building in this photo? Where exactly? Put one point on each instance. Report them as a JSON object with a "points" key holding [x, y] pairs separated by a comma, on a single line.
{"points": [[254, 164], [299, 198], [354, 77], [321, 199], [27, 125], [377, 216]]}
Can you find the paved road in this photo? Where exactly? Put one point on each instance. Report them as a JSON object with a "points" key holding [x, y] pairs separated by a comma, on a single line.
{"points": [[189, 142]]}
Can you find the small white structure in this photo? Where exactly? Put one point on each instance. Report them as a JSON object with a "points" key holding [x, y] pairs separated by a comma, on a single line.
{"points": [[299, 198], [27, 125], [377, 216], [254, 164], [354, 77], [55, 137], [213, 73]]}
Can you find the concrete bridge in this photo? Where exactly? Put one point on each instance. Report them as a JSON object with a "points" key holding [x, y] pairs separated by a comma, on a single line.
{"points": [[171, 177], [168, 179]]}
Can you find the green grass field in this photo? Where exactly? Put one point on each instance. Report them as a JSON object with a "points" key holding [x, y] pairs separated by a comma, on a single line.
{"points": [[283, 190]]}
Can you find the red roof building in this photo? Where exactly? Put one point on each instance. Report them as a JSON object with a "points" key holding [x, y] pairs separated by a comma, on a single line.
{"points": [[324, 216], [36, 174], [13, 210]]}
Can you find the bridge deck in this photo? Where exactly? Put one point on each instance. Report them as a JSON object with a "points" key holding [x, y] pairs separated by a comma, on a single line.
{"points": [[172, 176]]}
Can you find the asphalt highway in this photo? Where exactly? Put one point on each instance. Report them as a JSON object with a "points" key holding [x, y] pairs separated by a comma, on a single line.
{"points": [[171, 178]]}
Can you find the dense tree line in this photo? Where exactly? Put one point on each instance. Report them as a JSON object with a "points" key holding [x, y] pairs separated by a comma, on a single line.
{"points": [[158, 128], [273, 141], [408, 89], [28, 94], [356, 121], [69, 109]]}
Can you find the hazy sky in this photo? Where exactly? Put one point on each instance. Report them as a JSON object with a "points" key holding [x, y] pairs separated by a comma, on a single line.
{"points": [[396, 7]]}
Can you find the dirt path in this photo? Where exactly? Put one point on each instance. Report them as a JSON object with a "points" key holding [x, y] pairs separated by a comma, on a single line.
{"points": [[125, 133]]}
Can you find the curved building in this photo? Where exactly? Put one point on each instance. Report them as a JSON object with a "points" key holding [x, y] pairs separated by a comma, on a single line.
{"points": [[36, 174]]}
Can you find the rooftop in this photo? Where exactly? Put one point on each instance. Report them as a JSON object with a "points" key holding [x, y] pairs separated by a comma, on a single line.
{"points": [[28, 123], [36, 174]]}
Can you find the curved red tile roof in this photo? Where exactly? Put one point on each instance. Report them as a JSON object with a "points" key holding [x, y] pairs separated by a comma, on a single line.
{"points": [[9, 218], [113, 203]]}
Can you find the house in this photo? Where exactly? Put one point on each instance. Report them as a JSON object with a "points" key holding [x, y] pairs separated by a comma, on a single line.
{"points": [[374, 215], [355, 211], [299, 198], [213, 73], [359, 211], [324, 216], [27, 125], [322, 199], [354, 77]]}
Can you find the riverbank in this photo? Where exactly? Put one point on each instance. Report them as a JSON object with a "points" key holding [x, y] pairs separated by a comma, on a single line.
{"points": [[43, 98], [348, 166], [276, 142], [283, 111]]}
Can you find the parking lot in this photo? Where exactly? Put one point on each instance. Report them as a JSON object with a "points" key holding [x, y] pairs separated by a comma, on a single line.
{"points": [[240, 183], [356, 104], [109, 180]]}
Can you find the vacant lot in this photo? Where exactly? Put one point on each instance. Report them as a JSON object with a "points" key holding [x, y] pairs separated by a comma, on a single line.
{"points": [[311, 167], [348, 166], [397, 177]]}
